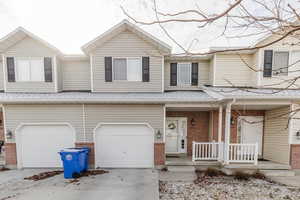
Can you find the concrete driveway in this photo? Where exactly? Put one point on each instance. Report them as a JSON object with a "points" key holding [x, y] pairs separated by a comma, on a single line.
{"points": [[118, 184]]}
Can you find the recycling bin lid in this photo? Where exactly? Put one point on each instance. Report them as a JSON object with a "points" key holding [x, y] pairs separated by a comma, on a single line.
{"points": [[71, 150]]}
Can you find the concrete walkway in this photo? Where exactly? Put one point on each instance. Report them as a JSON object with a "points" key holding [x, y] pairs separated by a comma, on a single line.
{"points": [[293, 181], [125, 184]]}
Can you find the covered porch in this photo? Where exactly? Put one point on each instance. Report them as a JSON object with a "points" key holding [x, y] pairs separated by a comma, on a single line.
{"points": [[232, 133]]}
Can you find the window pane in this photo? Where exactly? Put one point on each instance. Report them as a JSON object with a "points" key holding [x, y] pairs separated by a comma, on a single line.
{"points": [[134, 69], [119, 68], [184, 73], [280, 65], [23, 70], [295, 62], [37, 70]]}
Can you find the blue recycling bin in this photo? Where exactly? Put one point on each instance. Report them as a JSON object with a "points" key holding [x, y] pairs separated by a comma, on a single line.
{"points": [[75, 161]]}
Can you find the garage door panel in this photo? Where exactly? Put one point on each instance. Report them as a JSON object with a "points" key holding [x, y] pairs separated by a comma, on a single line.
{"points": [[122, 146], [39, 144]]}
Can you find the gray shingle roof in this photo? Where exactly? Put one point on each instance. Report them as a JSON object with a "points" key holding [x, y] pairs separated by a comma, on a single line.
{"points": [[249, 93], [88, 97]]}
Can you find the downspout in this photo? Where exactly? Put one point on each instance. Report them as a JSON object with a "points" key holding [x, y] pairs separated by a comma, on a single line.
{"points": [[83, 123]]}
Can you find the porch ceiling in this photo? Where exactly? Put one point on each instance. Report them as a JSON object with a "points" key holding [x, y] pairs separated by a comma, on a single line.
{"points": [[256, 107], [190, 108]]}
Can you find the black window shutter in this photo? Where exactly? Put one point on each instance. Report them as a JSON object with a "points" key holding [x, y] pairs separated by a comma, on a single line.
{"points": [[108, 69], [268, 60], [146, 69], [173, 74], [48, 69], [194, 73], [10, 62]]}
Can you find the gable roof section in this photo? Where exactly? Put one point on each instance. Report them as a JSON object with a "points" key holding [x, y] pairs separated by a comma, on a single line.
{"points": [[120, 27], [19, 34]]}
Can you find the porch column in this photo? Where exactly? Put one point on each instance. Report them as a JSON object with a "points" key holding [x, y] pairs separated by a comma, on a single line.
{"points": [[227, 132], [220, 124]]}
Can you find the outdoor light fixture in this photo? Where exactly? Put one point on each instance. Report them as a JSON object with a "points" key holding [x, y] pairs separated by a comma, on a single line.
{"points": [[193, 122], [232, 121], [298, 135], [158, 134], [9, 134]]}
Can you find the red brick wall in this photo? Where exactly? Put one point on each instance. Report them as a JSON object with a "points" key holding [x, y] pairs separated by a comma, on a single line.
{"points": [[295, 156], [199, 132], [10, 154], [159, 154], [233, 127], [92, 151]]}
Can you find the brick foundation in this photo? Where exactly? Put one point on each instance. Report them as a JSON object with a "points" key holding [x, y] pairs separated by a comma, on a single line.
{"points": [[92, 151], [10, 154], [159, 154], [295, 156], [198, 132]]}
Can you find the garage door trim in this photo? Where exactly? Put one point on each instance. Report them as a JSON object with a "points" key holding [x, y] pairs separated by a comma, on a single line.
{"points": [[19, 142], [115, 123]]}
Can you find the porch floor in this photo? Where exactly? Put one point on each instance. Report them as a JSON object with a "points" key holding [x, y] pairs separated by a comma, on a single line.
{"points": [[262, 165]]}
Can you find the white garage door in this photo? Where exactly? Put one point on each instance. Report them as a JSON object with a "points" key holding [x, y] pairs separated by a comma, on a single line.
{"points": [[124, 146], [38, 145]]}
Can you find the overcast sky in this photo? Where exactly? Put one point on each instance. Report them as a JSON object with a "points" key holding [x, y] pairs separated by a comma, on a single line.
{"points": [[69, 24]]}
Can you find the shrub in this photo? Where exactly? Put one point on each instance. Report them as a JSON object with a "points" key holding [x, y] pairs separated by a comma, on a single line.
{"points": [[242, 176], [213, 172], [258, 175], [164, 169]]}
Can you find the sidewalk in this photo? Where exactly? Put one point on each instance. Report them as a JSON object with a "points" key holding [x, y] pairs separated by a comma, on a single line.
{"points": [[293, 181]]}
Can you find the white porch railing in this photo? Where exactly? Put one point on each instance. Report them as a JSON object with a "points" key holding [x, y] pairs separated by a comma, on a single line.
{"points": [[207, 151], [235, 153], [243, 153]]}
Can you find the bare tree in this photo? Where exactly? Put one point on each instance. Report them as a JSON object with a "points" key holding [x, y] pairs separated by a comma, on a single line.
{"points": [[240, 19]]}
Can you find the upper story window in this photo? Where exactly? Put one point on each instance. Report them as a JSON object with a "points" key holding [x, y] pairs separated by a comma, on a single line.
{"points": [[30, 69], [184, 73], [280, 63], [127, 69]]}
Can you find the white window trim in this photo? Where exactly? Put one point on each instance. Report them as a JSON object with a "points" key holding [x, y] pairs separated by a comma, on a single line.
{"points": [[289, 62], [141, 65], [190, 83], [28, 58]]}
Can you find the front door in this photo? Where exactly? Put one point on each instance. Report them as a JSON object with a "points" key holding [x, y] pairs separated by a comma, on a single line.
{"points": [[176, 132], [251, 131]]}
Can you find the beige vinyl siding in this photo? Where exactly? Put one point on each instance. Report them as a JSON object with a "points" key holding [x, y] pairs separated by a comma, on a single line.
{"points": [[29, 48], [127, 44], [231, 68], [203, 76], [17, 114], [76, 75], [73, 114], [59, 74], [294, 71], [211, 72], [294, 123], [95, 114], [1, 76], [276, 135]]}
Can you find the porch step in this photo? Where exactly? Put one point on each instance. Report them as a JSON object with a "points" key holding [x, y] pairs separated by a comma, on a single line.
{"points": [[278, 172], [260, 166], [181, 168], [185, 162]]}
